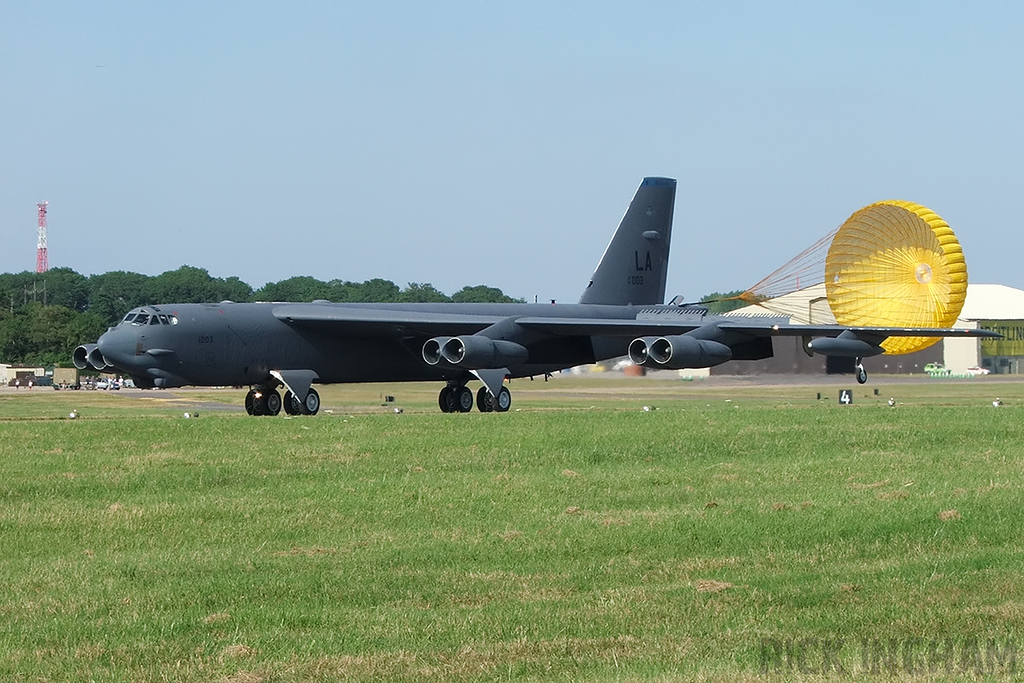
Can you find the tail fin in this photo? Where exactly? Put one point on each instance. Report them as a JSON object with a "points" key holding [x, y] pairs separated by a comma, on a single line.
{"points": [[634, 267]]}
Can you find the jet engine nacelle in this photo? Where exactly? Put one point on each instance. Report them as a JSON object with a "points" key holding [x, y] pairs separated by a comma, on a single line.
{"points": [[678, 352], [88, 356], [97, 360], [81, 356], [474, 352], [432, 350]]}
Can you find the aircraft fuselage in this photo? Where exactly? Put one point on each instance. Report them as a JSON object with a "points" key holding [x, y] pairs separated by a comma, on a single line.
{"points": [[269, 346], [240, 344]]}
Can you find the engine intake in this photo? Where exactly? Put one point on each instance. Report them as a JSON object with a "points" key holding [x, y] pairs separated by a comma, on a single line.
{"points": [[88, 356], [80, 357], [432, 350], [97, 360]]}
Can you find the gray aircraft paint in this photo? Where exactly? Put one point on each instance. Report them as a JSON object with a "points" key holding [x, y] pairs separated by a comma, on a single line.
{"points": [[296, 345], [634, 267]]}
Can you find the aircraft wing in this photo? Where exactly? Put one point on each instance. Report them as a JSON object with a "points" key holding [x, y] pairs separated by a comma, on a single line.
{"points": [[373, 322], [791, 330], [370, 322], [749, 327]]}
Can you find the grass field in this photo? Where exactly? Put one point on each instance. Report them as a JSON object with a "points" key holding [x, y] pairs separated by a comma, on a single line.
{"points": [[731, 533]]}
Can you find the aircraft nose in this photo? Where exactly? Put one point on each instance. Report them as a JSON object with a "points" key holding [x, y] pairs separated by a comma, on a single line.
{"points": [[117, 348]]}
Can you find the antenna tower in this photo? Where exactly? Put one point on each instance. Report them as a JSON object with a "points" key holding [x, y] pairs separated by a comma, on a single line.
{"points": [[42, 261]]}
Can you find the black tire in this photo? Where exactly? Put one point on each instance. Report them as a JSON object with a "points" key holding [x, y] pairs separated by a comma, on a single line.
{"points": [[311, 406], [464, 399], [272, 402], [291, 404], [446, 401], [250, 402], [862, 375], [483, 400], [503, 401]]}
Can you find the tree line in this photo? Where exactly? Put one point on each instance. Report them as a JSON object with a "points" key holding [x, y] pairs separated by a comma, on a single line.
{"points": [[44, 316]]}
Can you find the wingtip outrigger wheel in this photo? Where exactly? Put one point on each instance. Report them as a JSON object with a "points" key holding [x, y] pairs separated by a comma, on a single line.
{"points": [[862, 374]]}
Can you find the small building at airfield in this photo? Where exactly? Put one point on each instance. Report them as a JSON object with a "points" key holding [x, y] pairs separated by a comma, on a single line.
{"points": [[990, 307]]}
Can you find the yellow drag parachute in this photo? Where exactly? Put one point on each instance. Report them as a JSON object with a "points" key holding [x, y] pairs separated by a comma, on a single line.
{"points": [[891, 264], [896, 264]]}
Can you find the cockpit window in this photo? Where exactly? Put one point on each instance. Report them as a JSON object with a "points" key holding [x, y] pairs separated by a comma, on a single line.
{"points": [[143, 318]]}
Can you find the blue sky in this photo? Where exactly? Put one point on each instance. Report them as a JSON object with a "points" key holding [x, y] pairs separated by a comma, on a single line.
{"points": [[463, 143]]}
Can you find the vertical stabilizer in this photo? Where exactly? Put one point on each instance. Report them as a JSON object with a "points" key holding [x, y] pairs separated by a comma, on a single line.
{"points": [[634, 267]]}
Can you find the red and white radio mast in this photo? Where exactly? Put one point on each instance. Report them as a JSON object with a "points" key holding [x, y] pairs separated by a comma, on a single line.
{"points": [[42, 261]]}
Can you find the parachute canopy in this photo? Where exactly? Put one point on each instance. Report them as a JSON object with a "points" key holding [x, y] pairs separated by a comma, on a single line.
{"points": [[896, 264], [891, 264]]}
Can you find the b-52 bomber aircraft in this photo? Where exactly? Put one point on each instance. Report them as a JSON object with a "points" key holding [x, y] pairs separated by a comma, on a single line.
{"points": [[292, 346]]}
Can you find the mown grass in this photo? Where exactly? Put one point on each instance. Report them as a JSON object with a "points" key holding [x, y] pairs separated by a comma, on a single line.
{"points": [[606, 543]]}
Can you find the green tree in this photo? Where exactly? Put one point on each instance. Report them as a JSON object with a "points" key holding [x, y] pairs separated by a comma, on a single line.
{"points": [[84, 328], [378, 291], [484, 295], [48, 332], [338, 290], [302, 288], [46, 335], [722, 302], [233, 289], [113, 294], [63, 287], [186, 285], [58, 286], [416, 292], [13, 342]]}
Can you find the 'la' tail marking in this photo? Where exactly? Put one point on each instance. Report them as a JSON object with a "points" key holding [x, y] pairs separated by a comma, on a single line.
{"points": [[647, 264]]}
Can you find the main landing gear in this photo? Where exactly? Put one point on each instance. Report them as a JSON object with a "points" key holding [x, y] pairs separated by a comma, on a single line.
{"points": [[267, 401], [458, 398]]}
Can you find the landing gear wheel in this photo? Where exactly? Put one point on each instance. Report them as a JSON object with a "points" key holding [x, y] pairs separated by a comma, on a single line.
{"points": [[446, 400], [291, 404], [250, 402], [503, 401], [272, 402], [862, 374], [255, 403], [311, 406], [483, 400], [463, 399]]}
